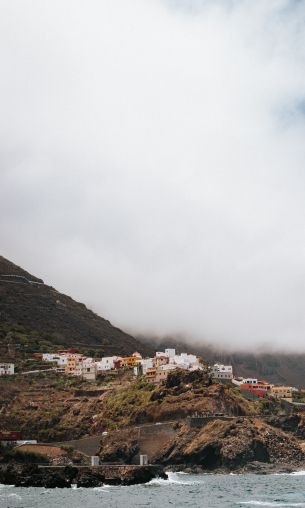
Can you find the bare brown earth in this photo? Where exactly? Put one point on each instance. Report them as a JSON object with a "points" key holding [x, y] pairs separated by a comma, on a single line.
{"points": [[42, 449], [47, 406], [142, 418]]}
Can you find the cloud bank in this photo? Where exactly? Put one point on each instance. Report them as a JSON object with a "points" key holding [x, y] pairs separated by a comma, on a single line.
{"points": [[152, 161]]}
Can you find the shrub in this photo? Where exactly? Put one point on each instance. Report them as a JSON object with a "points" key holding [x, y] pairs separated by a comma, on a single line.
{"points": [[23, 457], [67, 448]]}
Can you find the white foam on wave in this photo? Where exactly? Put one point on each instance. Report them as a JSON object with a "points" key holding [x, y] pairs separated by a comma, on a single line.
{"points": [[174, 478], [104, 488], [271, 503], [294, 473], [16, 496]]}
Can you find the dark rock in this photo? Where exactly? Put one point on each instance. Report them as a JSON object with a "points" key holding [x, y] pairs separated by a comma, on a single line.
{"points": [[60, 477]]}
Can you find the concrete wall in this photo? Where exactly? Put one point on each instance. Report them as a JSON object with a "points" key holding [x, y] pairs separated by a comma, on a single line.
{"points": [[153, 438]]}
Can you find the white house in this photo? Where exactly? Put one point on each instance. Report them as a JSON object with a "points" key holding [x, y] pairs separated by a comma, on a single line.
{"points": [[62, 360], [106, 363], [185, 361], [89, 372], [142, 365], [242, 380], [86, 369], [50, 357], [222, 372], [250, 381], [7, 369], [170, 352]]}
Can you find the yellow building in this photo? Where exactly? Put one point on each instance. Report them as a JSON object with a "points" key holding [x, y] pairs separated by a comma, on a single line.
{"points": [[131, 361], [281, 392]]}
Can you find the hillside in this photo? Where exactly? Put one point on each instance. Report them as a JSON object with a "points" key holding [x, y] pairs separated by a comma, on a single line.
{"points": [[35, 317], [185, 424], [285, 368], [118, 403], [33, 314]]}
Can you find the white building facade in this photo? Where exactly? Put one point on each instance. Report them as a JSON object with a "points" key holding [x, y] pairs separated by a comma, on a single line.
{"points": [[222, 372], [7, 369], [106, 363], [86, 369]]}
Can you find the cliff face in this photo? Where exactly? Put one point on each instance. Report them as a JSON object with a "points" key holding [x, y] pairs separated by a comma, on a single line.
{"points": [[182, 435], [31, 312], [223, 445], [233, 445]]}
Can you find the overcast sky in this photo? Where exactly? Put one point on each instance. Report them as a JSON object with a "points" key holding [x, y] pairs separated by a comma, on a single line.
{"points": [[152, 161]]}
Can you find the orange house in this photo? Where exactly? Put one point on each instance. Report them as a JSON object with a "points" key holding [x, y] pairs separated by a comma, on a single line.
{"points": [[131, 361], [73, 361]]}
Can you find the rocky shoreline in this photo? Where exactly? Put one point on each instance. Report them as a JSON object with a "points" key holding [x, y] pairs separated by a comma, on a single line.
{"points": [[241, 445], [32, 475], [257, 468]]}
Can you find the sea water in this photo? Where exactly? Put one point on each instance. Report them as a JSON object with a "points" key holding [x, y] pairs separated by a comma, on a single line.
{"points": [[178, 491]]}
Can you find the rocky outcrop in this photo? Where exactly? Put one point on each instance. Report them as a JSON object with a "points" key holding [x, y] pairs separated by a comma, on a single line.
{"points": [[234, 445], [294, 423], [238, 444], [51, 477]]}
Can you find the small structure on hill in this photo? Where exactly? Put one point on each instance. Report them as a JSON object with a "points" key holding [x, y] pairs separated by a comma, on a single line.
{"points": [[7, 369], [221, 372]]}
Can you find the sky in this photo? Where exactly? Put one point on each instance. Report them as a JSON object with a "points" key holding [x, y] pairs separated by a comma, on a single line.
{"points": [[152, 162]]}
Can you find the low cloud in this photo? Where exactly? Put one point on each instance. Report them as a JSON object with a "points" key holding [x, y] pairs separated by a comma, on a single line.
{"points": [[152, 161]]}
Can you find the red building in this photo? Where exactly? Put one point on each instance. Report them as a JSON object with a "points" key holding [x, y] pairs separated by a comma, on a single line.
{"points": [[259, 389], [10, 435], [37, 356], [117, 363]]}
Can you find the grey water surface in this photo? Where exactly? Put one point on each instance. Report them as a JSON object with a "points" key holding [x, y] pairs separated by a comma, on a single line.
{"points": [[180, 490]]}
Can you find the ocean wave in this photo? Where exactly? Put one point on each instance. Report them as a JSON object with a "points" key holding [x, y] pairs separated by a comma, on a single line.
{"points": [[294, 473], [271, 503], [103, 488], [174, 478], [16, 496]]}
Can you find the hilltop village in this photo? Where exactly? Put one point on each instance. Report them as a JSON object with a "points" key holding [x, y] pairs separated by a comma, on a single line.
{"points": [[169, 410], [73, 395], [156, 370]]}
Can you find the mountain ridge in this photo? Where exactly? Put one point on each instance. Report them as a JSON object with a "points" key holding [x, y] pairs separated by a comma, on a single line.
{"points": [[27, 303], [30, 308]]}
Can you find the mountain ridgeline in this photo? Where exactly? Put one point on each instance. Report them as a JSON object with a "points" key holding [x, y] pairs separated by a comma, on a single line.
{"points": [[36, 317]]}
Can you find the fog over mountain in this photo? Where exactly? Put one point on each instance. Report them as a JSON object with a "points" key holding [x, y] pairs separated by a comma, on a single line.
{"points": [[152, 161]]}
